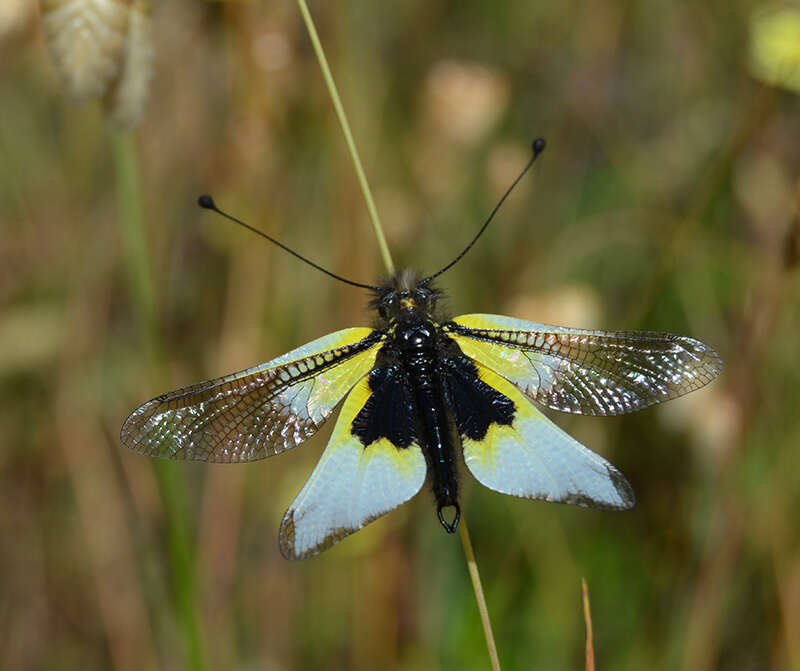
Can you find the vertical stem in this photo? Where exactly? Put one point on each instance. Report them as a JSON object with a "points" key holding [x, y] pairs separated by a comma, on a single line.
{"points": [[182, 557], [134, 244], [348, 136], [477, 587], [472, 565], [172, 485], [587, 617]]}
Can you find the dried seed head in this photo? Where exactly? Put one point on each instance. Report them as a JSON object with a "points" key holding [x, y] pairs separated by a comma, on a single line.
{"points": [[128, 94], [102, 49], [86, 40]]}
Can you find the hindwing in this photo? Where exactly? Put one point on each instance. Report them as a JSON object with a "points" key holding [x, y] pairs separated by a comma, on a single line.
{"points": [[257, 412], [363, 473], [514, 449], [586, 372]]}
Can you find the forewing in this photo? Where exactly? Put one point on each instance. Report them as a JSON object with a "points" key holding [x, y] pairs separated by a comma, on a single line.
{"points": [[352, 485], [257, 412], [528, 456], [587, 372]]}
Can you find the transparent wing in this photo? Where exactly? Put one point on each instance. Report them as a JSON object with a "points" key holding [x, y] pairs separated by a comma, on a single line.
{"points": [[532, 458], [587, 372], [257, 412], [352, 485]]}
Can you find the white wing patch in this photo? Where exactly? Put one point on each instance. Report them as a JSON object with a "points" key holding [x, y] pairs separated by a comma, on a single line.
{"points": [[351, 486], [532, 458]]}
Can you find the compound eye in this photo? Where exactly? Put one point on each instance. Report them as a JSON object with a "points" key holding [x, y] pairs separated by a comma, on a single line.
{"points": [[422, 294]]}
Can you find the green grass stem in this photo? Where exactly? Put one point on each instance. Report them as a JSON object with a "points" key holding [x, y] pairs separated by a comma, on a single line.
{"points": [[348, 137], [170, 479], [477, 587]]}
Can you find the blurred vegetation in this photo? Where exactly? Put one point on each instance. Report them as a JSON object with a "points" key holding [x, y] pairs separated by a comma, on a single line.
{"points": [[668, 199]]}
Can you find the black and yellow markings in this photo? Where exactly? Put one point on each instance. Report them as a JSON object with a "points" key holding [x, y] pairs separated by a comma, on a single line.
{"points": [[475, 404], [390, 411]]}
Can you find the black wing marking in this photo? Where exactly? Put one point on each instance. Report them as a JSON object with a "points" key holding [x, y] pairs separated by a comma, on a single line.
{"points": [[389, 410], [475, 405]]}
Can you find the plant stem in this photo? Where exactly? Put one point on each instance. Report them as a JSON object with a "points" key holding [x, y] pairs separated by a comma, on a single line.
{"points": [[134, 244], [348, 136], [472, 565], [587, 617], [171, 483], [477, 587]]}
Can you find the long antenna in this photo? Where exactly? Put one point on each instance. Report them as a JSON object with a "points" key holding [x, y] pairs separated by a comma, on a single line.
{"points": [[538, 147], [207, 202]]}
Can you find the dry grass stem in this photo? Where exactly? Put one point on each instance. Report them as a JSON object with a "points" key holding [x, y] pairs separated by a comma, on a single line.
{"points": [[587, 617], [477, 587]]}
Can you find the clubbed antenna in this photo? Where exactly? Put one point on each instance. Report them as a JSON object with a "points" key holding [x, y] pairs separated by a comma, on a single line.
{"points": [[207, 202], [538, 147]]}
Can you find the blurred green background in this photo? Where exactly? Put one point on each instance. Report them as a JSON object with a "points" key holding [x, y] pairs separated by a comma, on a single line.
{"points": [[667, 199]]}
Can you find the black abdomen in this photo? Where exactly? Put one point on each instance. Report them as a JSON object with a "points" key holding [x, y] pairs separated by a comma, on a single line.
{"points": [[418, 351]]}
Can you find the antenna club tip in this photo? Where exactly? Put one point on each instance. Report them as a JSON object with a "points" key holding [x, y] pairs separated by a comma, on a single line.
{"points": [[207, 202], [538, 146]]}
